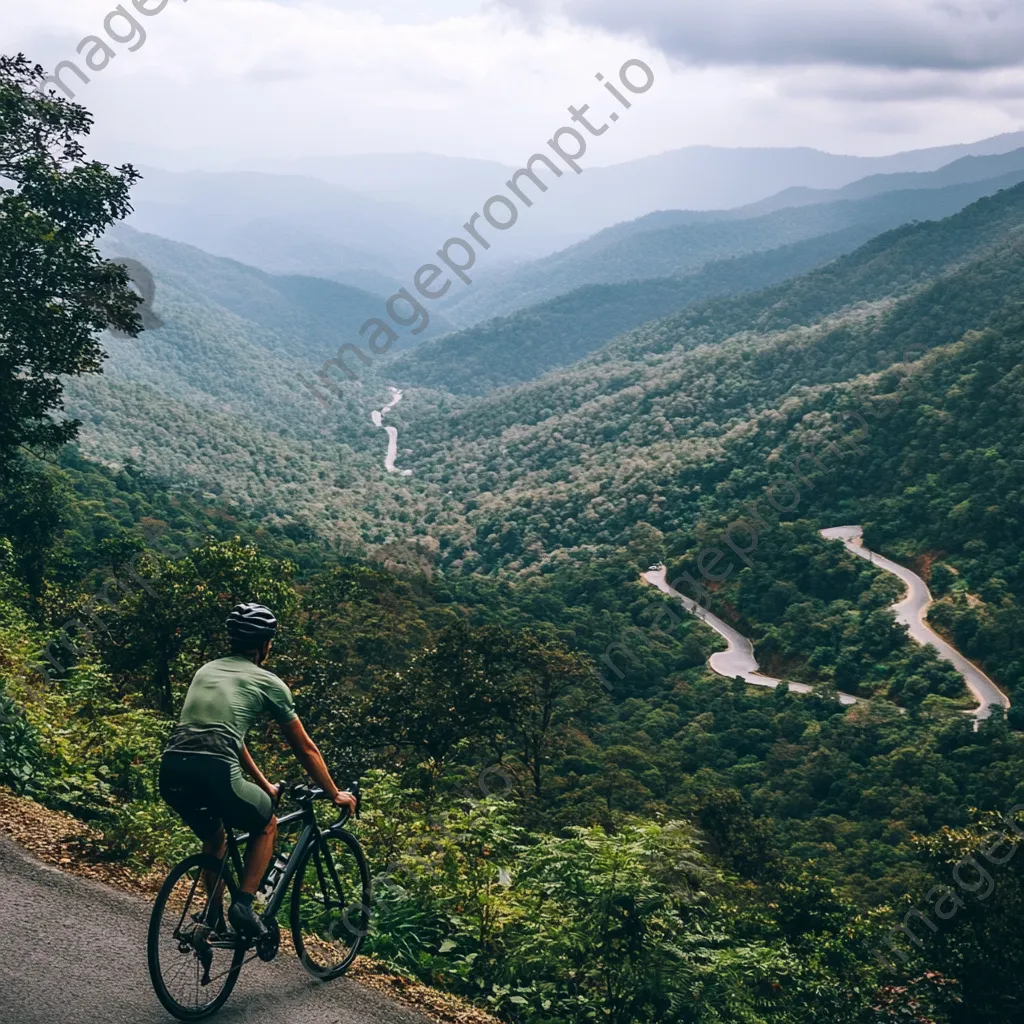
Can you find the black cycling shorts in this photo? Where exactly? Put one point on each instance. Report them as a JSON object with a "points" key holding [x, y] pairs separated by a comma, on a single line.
{"points": [[208, 792]]}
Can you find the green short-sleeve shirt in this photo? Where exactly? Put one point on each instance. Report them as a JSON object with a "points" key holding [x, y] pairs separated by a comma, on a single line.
{"points": [[233, 694]]}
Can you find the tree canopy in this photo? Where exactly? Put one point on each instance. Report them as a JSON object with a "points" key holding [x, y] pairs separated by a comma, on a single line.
{"points": [[57, 293]]}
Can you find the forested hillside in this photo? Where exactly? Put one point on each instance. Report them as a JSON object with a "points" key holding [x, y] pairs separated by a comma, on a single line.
{"points": [[921, 285], [570, 817], [219, 396], [699, 806], [309, 315], [682, 420], [563, 330]]}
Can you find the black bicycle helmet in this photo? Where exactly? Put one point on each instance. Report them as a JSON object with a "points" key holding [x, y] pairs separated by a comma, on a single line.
{"points": [[255, 622]]}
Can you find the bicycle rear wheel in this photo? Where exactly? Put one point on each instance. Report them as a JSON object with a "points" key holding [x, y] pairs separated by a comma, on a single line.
{"points": [[331, 904], [192, 967]]}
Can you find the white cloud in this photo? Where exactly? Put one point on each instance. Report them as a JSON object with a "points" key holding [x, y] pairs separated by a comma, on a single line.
{"points": [[223, 81], [947, 34]]}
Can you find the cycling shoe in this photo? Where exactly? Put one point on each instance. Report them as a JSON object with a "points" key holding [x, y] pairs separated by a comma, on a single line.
{"points": [[246, 921]]}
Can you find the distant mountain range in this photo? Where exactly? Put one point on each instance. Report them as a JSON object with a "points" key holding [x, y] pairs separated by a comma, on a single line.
{"points": [[695, 177], [679, 242], [370, 221], [959, 172]]}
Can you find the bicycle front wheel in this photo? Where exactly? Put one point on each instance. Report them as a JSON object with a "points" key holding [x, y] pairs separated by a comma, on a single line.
{"points": [[331, 904], [193, 964]]}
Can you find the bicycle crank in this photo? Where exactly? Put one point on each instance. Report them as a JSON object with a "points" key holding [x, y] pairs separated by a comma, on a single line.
{"points": [[268, 944]]}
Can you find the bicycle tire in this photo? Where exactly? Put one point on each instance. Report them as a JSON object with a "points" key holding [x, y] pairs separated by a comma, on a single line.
{"points": [[353, 899], [197, 863]]}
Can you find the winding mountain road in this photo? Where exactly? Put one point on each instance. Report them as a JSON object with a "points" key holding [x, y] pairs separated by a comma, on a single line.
{"points": [[739, 659], [392, 432], [911, 612], [75, 953]]}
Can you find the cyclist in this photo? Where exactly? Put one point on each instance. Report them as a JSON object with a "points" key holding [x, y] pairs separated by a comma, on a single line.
{"points": [[201, 768]]}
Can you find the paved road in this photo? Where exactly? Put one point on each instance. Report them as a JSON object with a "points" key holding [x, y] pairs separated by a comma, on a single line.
{"points": [[74, 952], [378, 421], [739, 659], [911, 612]]}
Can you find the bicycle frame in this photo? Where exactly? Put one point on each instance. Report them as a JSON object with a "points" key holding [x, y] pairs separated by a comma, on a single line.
{"points": [[309, 834], [203, 939]]}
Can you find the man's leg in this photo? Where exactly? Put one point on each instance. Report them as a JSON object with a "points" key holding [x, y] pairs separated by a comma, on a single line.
{"points": [[215, 847], [257, 857], [243, 917], [252, 810]]}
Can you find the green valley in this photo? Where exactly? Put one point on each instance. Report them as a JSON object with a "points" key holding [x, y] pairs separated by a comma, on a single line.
{"points": [[570, 817]]}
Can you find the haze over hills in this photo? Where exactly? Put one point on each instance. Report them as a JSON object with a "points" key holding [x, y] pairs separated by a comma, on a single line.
{"points": [[674, 243], [710, 178], [371, 221], [959, 172], [286, 224], [445, 183], [695, 177]]}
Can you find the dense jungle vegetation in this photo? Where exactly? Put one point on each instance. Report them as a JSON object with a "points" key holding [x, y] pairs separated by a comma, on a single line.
{"points": [[673, 846]]}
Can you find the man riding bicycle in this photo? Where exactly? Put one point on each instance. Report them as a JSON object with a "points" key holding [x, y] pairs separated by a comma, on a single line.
{"points": [[201, 768]]}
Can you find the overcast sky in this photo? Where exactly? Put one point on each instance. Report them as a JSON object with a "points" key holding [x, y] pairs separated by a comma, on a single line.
{"points": [[219, 81]]}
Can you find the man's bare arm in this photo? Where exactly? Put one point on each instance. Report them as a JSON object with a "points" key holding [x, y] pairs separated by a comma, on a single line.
{"points": [[251, 769], [309, 756]]}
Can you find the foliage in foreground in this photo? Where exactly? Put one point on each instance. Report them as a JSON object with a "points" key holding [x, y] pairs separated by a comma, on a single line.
{"points": [[630, 918]]}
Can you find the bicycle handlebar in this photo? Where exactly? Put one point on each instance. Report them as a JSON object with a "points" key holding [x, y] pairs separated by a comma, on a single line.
{"points": [[307, 794]]}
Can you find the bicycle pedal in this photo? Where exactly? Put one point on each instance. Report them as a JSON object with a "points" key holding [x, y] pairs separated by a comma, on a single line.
{"points": [[248, 926]]}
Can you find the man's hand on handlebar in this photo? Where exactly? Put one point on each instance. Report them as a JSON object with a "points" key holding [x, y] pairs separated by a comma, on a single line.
{"points": [[345, 800]]}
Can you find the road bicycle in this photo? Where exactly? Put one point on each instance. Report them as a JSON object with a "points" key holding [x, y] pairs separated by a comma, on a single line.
{"points": [[195, 960]]}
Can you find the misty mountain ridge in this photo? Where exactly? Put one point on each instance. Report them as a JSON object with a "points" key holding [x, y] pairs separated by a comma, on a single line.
{"points": [[672, 243], [374, 219]]}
